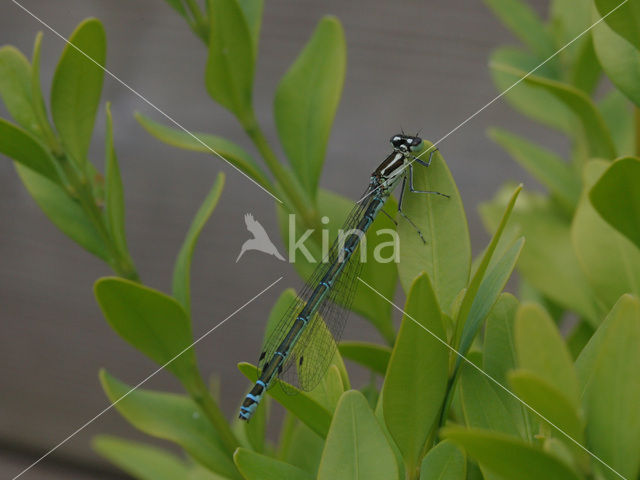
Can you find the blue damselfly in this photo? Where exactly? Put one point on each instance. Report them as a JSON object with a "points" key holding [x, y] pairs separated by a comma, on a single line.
{"points": [[301, 346]]}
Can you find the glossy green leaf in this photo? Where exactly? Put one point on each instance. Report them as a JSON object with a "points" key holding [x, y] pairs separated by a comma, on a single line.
{"points": [[171, 417], [499, 354], [535, 103], [446, 256], [547, 167], [510, 457], [76, 87], [486, 405], [555, 272], [490, 288], [617, 113], [66, 214], [307, 99], [177, 6], [151, 321], [302, 405], [622, 17], [305, 449], [596, 132], [203, 142], [525, 24], [619, 59], [231, 61], [252, 10], [255, 466], [541, 350], [476, 281], [380, 275], [355, 439], [616, 197], [372, 356], [182, 268], [548, 401], [37, 101], [15, 87], [140, 460], [445, 461], [610, 260], [610, 387], [114, 205], [24, 148], [417, 373]]}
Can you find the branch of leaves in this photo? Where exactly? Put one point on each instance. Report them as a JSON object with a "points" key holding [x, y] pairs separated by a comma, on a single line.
{"points": [[304, 106], [53, 163]]}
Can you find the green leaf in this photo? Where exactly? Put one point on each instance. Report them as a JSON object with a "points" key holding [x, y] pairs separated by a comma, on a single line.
{"points": [[171, 417], [549, 401], [255, 466], [555, 272], [381, 275], [182, 268], [230, 66], [151, 321], [37, 101], [65, 214], [15, 88], [569, 19], [445, 461], [311, 412], [610, 261], [21, 146], [205, 143], [255, 430], [586, 71], [486, 405], [617, 113], [509, 457], [525, 24], [178, 7], [499, 355], [305, 450], [478, 276], [622, 17], [541, 350], [114, 205], [490, 288], [354, 440], [533, 102], [252, 10], [374, 357], [547, 167], [140, 460], [417, 372], [76, 87], [608, 372], [616, 198], [306, 101], [446, 257], [596, 132], [619, 59]]}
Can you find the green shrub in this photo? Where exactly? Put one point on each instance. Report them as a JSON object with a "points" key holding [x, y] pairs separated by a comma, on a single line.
{"points": [[524, 402]]}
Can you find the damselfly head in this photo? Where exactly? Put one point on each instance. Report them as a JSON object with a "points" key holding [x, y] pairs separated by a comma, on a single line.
{"points": [[406, 143]]}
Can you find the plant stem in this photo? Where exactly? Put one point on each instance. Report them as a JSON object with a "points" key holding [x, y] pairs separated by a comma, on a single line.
{"points": [[636, 111], [121, 263], [286, 181], [200, 23], [200, 394]]}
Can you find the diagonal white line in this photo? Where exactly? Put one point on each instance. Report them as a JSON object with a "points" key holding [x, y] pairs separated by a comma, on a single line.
{"points": [[494, 380], [105, 410], [144, 99], [500, 95]]}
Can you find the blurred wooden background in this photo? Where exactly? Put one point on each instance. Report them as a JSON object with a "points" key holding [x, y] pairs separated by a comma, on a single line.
{"points": [[411, 64]]}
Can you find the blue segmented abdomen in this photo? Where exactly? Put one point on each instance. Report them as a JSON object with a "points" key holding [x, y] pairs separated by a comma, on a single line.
{"points": [[252, 400]]}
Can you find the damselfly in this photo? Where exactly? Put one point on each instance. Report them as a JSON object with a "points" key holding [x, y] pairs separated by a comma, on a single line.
{"points": [[301, 346]]}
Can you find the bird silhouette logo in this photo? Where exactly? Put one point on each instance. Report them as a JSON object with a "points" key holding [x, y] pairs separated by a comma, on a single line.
{"points": [[260, 240]]}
